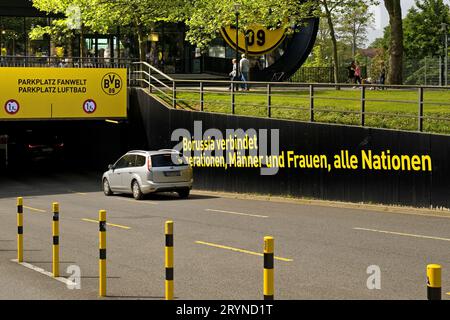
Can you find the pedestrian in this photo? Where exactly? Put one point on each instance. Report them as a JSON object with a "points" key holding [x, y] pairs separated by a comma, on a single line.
{"points": [[357, 74], [244, 66], [382, 75], [351, 72], [234, 75]]}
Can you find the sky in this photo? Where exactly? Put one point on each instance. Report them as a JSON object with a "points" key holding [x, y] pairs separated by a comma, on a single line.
{"points": [[382, 18]]}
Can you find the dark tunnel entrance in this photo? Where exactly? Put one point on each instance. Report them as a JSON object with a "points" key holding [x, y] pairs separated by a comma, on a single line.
{"points": [[66, 146]]}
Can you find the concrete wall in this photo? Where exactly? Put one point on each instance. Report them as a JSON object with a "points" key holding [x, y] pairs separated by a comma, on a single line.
{"points": [[152, 125]]}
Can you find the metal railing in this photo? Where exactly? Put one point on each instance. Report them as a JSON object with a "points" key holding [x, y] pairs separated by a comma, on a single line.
{"points": [[154, 79], [65, 62], [313, 100]]}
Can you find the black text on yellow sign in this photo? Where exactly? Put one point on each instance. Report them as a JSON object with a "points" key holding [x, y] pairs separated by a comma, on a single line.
{"points": [[62, 93], [260, 40]]}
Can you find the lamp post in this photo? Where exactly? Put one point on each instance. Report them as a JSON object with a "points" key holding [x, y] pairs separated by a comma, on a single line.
{"points": [[445, 73], [236, 11], [2, 34]]}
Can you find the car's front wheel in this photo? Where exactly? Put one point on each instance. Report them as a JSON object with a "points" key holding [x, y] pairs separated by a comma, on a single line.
{"points": [[106, 188], [137, 193]]}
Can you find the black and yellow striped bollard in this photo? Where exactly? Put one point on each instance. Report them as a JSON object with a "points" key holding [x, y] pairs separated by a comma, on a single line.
{"points": [[169, 260], [55, 231], [434, 284], [19, 229], [102, 249], [268, 268]]}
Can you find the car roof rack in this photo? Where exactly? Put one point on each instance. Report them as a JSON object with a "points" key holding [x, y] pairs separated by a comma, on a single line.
{"points": [[137, 151], [168, 150]]}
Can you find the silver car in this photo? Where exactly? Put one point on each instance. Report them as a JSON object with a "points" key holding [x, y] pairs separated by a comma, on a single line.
{"points": [[141, 172]]}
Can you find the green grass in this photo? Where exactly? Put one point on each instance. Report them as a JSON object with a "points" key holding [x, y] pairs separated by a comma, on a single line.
{"points": [[400, 112]]}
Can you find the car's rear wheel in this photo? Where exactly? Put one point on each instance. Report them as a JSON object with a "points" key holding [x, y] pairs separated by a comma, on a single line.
{"points": [[184, 193], [106, 188], [137, 193]]}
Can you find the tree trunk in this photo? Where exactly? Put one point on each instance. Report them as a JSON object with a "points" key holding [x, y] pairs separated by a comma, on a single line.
{"points": [[354, 35], [334, 42], [395, 75], [82, 44], [142, 42]]}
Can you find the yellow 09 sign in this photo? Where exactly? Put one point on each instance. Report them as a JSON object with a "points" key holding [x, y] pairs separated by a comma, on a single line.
{"points": [[260, 40]]}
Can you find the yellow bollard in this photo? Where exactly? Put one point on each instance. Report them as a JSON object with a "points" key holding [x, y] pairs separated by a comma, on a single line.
{"points": [[102, 258], [268, 268], [434, 284], [19, 229], [55, 231], [169, 260]]}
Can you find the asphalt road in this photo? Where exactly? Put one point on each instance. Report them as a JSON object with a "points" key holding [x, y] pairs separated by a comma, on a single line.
{"points": [[324, 249]]}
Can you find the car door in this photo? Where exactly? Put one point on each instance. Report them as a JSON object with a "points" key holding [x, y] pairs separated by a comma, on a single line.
{"points": [[127, 174], [115, 178]]}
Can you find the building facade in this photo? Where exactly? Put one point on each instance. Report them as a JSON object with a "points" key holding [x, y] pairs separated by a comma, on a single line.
{"points": [[166, 47]]}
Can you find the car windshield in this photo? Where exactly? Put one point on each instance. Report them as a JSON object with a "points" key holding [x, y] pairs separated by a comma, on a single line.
{"points": [[168, 160]]}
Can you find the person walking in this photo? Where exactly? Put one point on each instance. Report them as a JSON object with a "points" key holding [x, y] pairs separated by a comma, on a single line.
{"points": [[357, 74], [383, 75], [234, 75], [351, 72], [244, 66]]}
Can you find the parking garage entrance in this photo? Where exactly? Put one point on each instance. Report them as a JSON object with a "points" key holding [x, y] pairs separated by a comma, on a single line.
{"points": [[62, 117]]}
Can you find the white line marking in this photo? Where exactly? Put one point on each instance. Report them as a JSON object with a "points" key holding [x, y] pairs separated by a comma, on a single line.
{"points": [[136, 201], [403, 234], [237, 213], [46, 273]]}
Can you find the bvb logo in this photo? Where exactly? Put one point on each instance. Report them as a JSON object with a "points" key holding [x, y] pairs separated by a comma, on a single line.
{"points": [[111, 84]]}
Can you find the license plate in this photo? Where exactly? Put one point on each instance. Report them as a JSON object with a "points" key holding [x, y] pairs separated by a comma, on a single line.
{"points": [[172, 173], [47, 150]]}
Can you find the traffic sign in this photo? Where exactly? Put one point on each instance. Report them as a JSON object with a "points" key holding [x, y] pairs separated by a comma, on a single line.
{"points": [[12, 106], [89, 106]]}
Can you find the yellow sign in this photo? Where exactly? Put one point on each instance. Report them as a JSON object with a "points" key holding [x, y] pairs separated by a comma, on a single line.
{"points": [[62, 93], [260, 40]]}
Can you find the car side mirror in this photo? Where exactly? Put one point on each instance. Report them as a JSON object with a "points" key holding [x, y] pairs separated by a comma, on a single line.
{"points": [[111, 167]]}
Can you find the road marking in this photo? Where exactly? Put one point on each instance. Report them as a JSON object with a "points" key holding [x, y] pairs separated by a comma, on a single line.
{"points": [[136, 201], [108, 224], [240, 250], [403, 234], [237, 213], [330, 204], [67, 282], [34, 209]]}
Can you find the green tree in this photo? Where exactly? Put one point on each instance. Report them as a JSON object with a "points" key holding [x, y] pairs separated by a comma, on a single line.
{"points": [[103, 15], [331, 9], [422, 28], [61, 30], [206, 17], [354, 23]]}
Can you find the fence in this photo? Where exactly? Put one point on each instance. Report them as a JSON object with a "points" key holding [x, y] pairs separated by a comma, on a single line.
{"points": [[427, 71], [323, 74], [57, 62], [414, 108]]}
